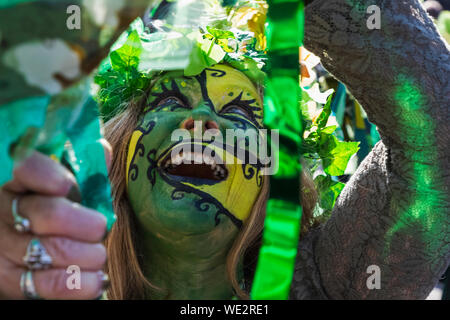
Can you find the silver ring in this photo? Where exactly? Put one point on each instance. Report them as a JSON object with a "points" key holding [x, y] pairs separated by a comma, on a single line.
{"points": [[37, 257], [27, 286], [21, 224]]}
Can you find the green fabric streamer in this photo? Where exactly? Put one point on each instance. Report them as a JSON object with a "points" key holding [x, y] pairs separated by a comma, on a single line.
{"points": [[77, 121], [10, 3], [84, 135], [46, 124], [275, 267], [17, 124], [45, 104]]}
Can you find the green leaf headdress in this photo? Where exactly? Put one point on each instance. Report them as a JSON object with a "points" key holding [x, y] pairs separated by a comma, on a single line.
{"points": [[182, 35]]}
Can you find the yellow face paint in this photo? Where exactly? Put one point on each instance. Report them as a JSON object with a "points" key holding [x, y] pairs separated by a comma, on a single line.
{"points": [[237, 193], [228, 85], [132, 150]]}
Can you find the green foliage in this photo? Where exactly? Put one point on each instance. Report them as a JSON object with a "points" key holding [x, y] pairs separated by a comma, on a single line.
{"points": [[127, 57], [322, 148], [119, 79], [336, 154], [220, 37], [443, 24], [219, 34], [125, 74], [329, 190], [322, 119], [247, 66], [207, 51]]}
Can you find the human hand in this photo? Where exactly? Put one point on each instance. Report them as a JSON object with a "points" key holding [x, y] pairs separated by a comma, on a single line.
{"points": [[69, 233]]}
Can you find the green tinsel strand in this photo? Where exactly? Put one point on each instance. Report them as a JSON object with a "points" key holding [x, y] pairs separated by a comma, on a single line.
{"points": [[275, 267]]}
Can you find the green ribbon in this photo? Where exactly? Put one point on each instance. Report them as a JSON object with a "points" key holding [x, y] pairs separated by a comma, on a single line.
{"points": [[276, 262]]}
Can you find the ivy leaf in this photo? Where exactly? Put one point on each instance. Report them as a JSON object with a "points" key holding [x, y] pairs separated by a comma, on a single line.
{"points": [[224, 44], [218, 37], [315, 94], [197, 62], [199, 59], [165, 51], [329, 191], [220, 34], [336, 154], [127, 56], [247, 66], [328, 130], [118, 77], [322, 119]]}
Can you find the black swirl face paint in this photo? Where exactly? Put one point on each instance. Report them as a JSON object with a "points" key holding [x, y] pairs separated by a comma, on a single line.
{"points": [[138, 149]]}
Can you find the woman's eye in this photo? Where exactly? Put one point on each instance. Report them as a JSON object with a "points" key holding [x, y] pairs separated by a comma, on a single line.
{"points": [[236, 110], [170, 101]]}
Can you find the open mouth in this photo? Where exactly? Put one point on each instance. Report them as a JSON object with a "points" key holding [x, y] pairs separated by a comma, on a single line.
{"points": [[194, 165]]}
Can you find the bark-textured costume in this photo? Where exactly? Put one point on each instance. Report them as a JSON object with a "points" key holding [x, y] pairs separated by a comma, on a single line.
{"points": [[394, 212]]}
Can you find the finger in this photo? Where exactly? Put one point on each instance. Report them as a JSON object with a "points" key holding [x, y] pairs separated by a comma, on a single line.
{"points": [[56, 284], [53, 284], [6, 199], [56, 216], [64, 252], [9, 275], [38, 173]]}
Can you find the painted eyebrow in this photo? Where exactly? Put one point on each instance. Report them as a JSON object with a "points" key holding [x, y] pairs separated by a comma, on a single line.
{"points": [[167, 80], [249, 102], [165, 90]]}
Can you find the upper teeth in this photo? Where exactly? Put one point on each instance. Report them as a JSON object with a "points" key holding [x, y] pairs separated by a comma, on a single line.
{"points": [[192, 157], [197, 158]]}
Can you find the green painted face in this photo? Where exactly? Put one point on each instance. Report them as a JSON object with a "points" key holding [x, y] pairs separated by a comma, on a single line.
{"points": [[194, 198]]}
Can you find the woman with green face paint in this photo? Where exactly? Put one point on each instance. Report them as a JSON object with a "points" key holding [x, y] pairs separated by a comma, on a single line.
{"points": [[192, 231], [190, 214]]}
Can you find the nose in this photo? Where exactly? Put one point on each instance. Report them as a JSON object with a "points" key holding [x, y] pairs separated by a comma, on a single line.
{"points": [[201, 119]]}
